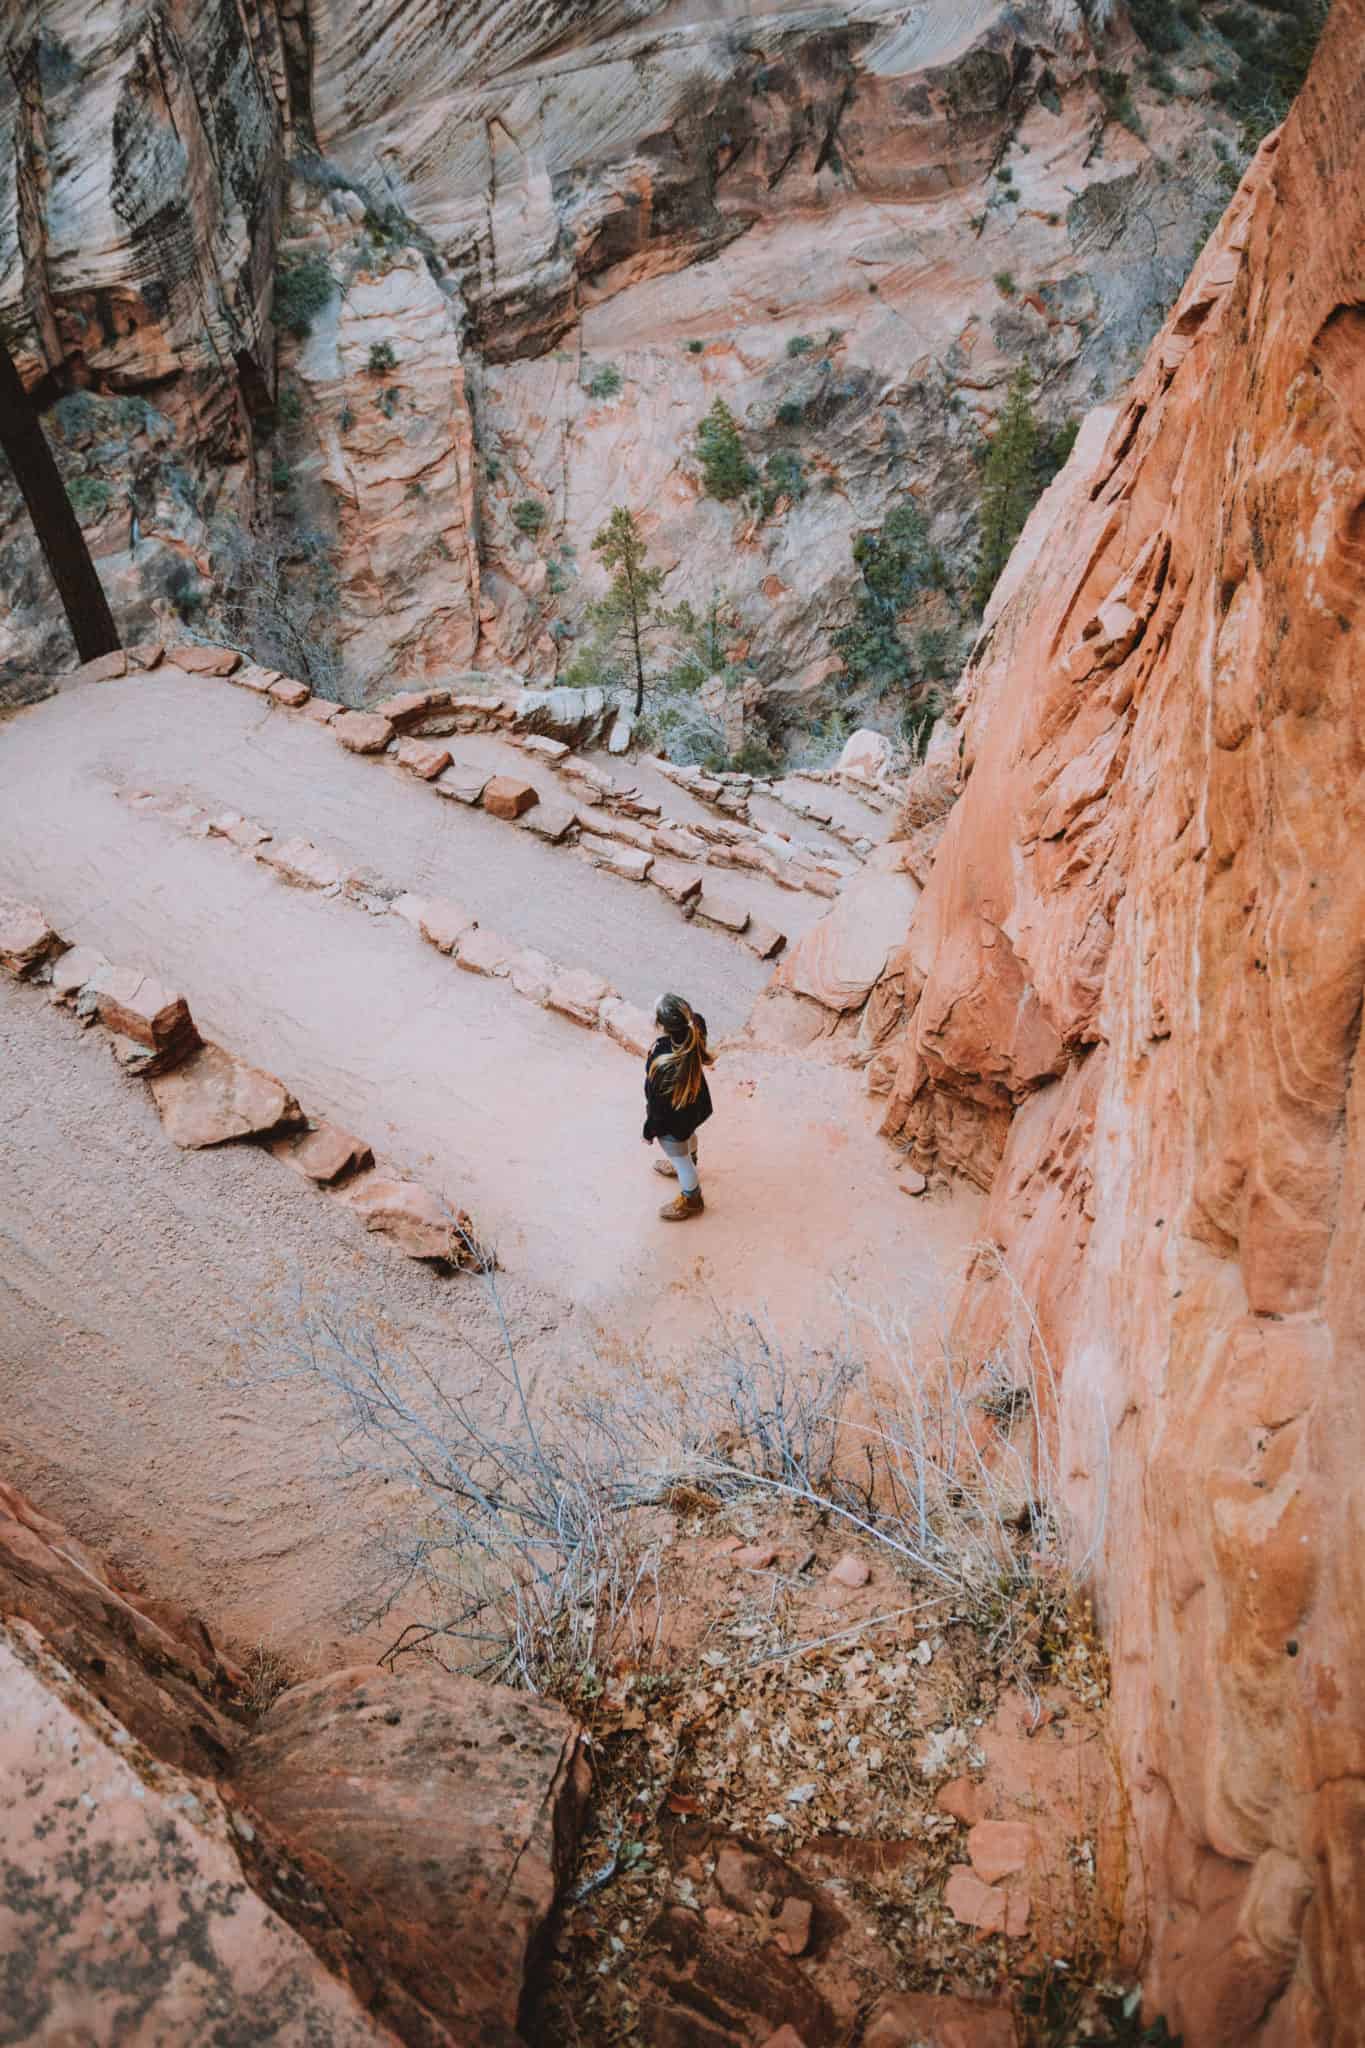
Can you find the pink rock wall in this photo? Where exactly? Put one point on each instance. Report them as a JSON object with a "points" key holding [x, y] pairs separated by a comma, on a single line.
{"points": [[1134, 990]]}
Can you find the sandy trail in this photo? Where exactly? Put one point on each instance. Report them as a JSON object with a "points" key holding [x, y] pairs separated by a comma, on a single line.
{"points": [[128, 1266]]}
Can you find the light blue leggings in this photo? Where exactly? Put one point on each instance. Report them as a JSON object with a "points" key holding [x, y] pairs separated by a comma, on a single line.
{"points": [[680, 1151]]}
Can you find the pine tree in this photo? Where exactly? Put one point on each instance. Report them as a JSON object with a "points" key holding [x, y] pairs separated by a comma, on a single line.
{"points": [[633, 593], [1009, 485], [726, 470]]}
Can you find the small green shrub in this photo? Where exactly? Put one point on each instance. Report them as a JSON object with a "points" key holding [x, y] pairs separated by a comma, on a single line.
{"points": [[89, 497], [606, 382], [382, 358], [1158, 24], [389, 401], [694, 348], [755, 757], [977, 222], [1118, 100], [1004, 283], [289, 408], [784, 477], [529, 515], [345, 419], [281, 475], [790, 413], [556, 577], [416, 489], [302, 289], [799, 345], [492, 467], [76, 414]]}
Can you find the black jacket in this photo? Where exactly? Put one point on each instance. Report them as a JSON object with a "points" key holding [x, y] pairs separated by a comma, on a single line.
{"points": [[662, 1120]]}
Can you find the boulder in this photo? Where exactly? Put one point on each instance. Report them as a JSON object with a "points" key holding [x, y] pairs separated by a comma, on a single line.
{"points": [[213, 1097], [125, 1892], [423, 758], [578, 993], [204, 661], [287, 690], [362, 732], [620, 732], [324, 1153], [462, 781], [838, 961], [416, 1219], [628, 1025], [575, 716], [505, 797], [26, 937], [136, 1006], [443, 923], [303, 865], [676, 879], [441, 1813], [867, 756]]}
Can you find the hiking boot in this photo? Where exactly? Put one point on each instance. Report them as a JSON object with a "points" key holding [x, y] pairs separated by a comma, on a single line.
{"points": [[681, 1207]]}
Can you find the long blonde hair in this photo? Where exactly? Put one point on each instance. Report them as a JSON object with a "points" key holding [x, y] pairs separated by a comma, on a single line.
{"points": [[679, 1072]]}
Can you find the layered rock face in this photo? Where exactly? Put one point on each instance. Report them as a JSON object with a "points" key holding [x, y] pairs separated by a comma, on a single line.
{"points": [[1134, 986], [567, 230], [372, 1862]]}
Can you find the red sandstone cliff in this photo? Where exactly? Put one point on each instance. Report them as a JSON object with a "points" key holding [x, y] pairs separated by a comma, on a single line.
{"points": [[1134, 988]]}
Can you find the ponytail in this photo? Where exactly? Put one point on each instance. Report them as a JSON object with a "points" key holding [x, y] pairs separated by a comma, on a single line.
{"points": [[678, 1073]]}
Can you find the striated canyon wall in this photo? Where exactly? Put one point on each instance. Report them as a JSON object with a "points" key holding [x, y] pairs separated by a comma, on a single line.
{"points": [[1134, 987], [568, 230]]}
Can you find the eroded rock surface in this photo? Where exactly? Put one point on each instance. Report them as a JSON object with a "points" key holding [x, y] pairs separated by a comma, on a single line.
{"points": [[375, 1863], [1134, 988]]}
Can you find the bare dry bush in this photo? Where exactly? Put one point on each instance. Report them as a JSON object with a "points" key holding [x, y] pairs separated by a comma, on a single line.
{"points": [[530, 1536]]}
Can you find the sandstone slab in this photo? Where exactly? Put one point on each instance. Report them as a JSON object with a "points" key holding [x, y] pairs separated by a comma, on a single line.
{"points": [[26, 937], [321, 710], [446, 1810], [532, 974], [840, 959], [324, 1153], [546, 748], [204, 661], [125, 1894], [290, 692], [484, 952], [462, 781], [505, 797], [301, 864], [259, 680], [443, 923], [578, 993], [362, 732], [104, 668], [629, 1025], [213, 1097], [722, 911], [74, 969], [764, 939], [136, 1006], [405, 709], [413, 1217], [990, 1909], [423, 758], [680, 842], [677, 880], [552, 818]]}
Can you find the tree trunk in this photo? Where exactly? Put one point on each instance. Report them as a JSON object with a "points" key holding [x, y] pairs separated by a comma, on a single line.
{"points": [[639, 661], [54, 521]]}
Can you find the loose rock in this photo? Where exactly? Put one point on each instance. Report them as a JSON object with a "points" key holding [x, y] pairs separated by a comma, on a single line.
{"points": [[423, 758], [26, 937], [505, 797], [212, 1097], [361, 732]]}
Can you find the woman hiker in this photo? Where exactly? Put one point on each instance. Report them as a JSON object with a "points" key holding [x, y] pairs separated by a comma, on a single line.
{"points": [[678, 1101]]}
